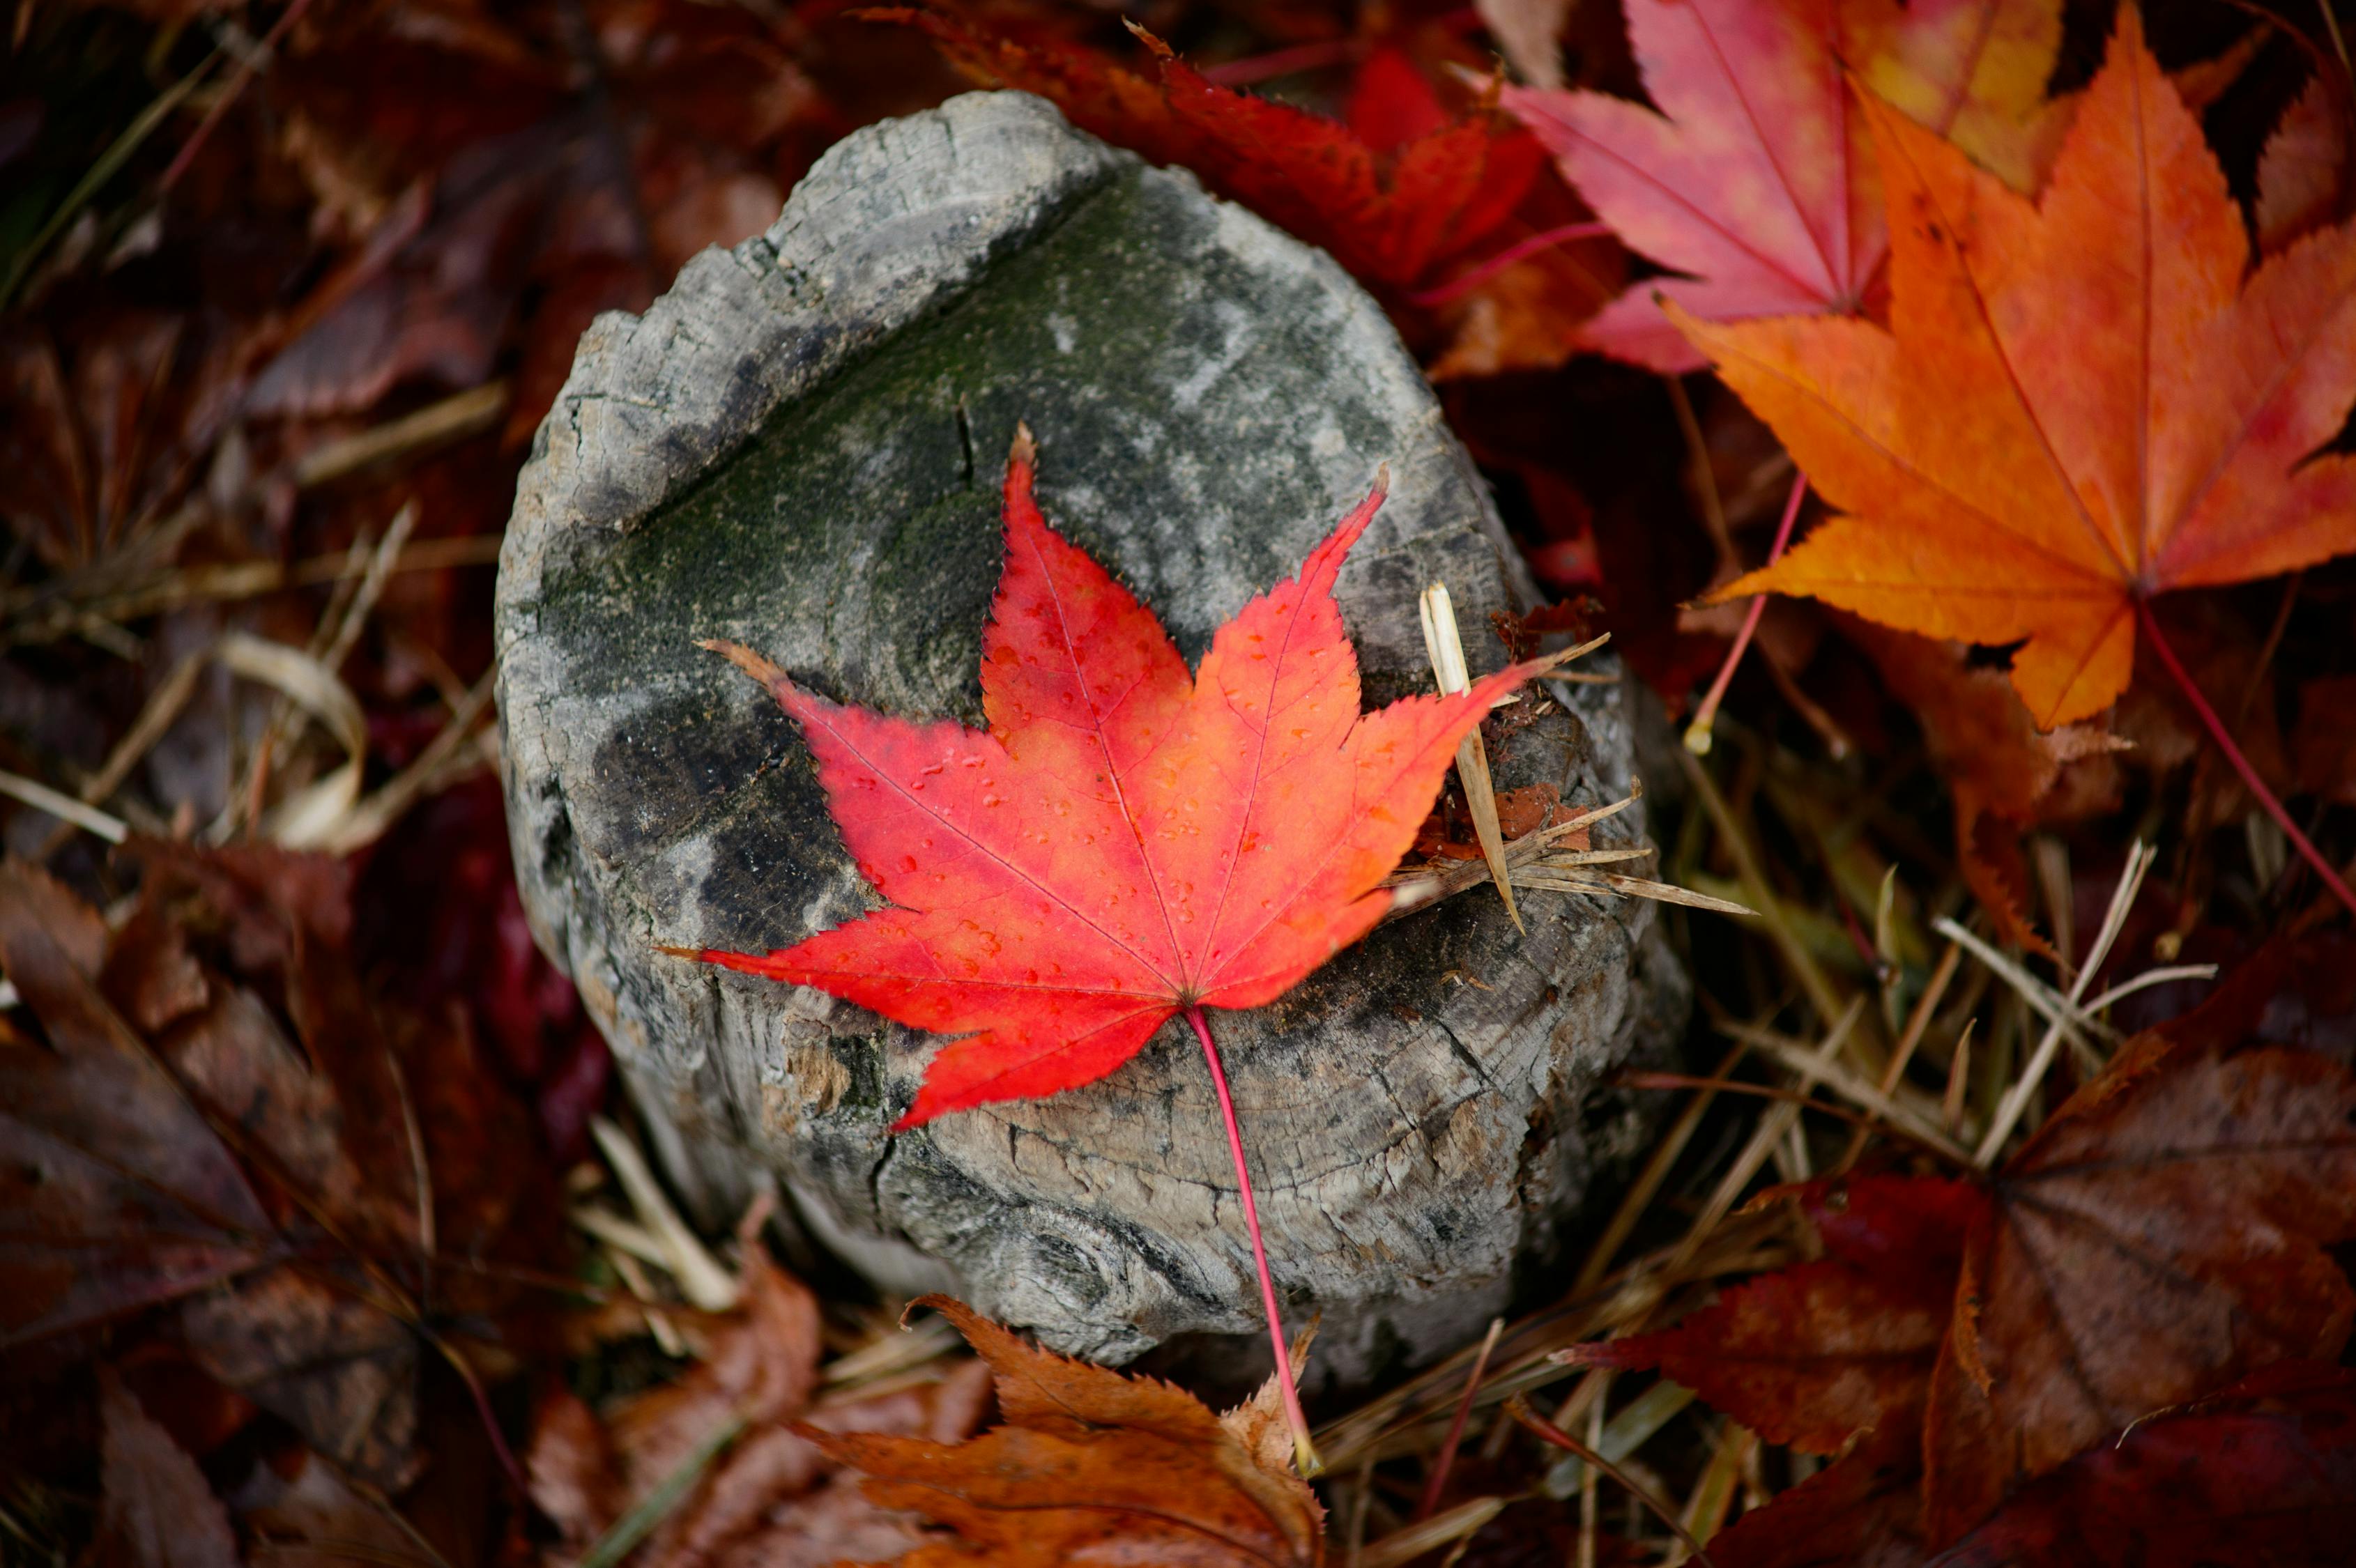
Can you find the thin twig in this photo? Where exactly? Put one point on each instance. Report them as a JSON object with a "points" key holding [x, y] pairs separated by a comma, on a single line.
{"points": [[1547, 1431], [1441, 1467]]}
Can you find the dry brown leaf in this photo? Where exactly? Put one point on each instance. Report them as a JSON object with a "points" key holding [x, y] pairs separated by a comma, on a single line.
{"points": [[2162, 1235], [1088, 1465], [157, 1509]]}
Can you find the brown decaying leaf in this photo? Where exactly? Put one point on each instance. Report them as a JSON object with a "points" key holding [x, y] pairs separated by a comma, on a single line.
{"points": [[2265, 1473], [173, 1144], [773, 1498], [2161, 1235], [157, 1510], [1089, 1465], [118, 1194]]}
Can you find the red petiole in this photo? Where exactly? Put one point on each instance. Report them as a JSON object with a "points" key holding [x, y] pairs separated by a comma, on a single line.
{"points": [[1304, 1454], [2224, 739], [1697, 732]]}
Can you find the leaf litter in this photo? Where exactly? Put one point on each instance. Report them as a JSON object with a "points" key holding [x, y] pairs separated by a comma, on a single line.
{"points": [[287, 1268]]}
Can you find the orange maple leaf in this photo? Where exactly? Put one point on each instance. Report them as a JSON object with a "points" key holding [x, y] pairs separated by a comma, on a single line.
{"points": [[1756, 177], [2081, 403]]}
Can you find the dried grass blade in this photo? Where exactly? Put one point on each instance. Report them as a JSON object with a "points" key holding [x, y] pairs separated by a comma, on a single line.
{"points": [[1441, 641]]}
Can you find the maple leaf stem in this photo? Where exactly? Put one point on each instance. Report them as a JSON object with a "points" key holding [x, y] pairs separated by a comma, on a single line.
{"points": [[2224, 739], [1698, 733], [1304, 1452]]}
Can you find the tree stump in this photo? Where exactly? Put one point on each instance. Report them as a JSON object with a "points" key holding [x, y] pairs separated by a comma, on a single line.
{"points": [[799, 447]]}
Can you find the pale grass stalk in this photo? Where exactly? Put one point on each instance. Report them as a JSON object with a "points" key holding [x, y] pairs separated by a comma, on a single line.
{"points": [[1704, 1511], [642, 1291], [1918, 1023], [1850, 1085], [1959, 1074], [1403, 1546], [892, 1354], [2040, 997], [1771, 1127], [1446, 648], [453, 418], [440, 764], [2151, 977], [622, 1235], [706, 1284], [1411, 890], [2016, 1100], [155, 716], [64, 808]]}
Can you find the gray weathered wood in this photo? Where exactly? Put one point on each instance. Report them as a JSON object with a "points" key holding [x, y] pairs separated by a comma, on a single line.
{"points": [[799, 447]]}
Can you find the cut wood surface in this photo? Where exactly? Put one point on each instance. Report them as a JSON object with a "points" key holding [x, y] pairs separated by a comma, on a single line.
{"points": [[798, 448]]}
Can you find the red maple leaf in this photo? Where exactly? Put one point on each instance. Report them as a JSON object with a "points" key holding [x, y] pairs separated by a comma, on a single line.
{"points": [[1392, 193], [1811, 1355], [1126, 842]]}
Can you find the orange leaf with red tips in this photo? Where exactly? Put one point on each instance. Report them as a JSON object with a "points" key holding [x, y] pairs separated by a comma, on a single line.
{"points": [[2081, 403], [1125, 841], [1089, 1465], [1756, 177]]}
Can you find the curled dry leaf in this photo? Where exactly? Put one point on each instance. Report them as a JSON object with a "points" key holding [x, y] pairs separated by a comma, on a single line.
{"points": [[2081, 403], [1756, 177], [172, 1145], [1089, 1465]]}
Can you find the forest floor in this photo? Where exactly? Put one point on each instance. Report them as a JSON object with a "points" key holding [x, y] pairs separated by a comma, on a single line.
{"points": [[2004, 1211]]}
